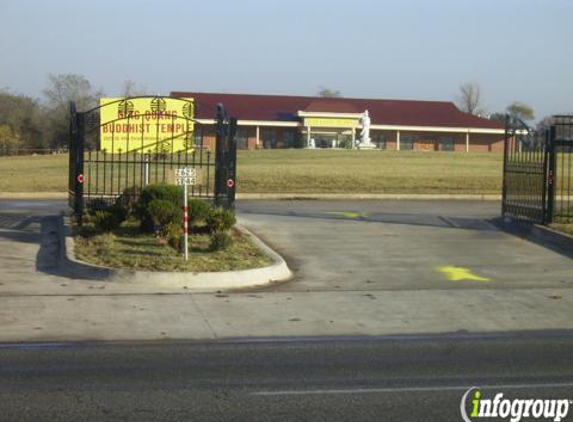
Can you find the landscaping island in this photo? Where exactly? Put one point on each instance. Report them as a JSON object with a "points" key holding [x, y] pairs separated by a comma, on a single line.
{"points": [[147, 235]]}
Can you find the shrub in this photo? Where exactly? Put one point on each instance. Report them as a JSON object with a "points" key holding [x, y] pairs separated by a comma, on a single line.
{"points": [[164, 212], [198, 211], [109, 219], [105, 221], [174, 234], [220, 220], [128, 198], [96, 204], [173, 194], [220, 240]]}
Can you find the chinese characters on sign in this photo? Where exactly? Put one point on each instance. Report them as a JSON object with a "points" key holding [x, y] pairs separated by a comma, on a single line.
{"points": [[158, 125]]}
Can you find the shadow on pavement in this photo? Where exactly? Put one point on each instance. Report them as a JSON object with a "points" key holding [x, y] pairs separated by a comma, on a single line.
{"points": [[438, 221]]}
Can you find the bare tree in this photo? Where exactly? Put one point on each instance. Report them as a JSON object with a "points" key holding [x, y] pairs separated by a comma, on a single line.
{"points": [[328, 93], [131, 89], [469, 99], [61, 89]]}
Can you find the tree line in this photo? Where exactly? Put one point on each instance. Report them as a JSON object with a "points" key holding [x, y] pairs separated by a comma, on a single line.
{"points": [[469, 100], [30, 124]]}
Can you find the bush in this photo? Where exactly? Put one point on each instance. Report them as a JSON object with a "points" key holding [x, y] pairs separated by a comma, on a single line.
{"points": [[128, 198], [220, 240], [174, 234], [108, 219], [96, 204], [220, 220], [173, 194], [105, 221], [163, 213], [198, 211]]}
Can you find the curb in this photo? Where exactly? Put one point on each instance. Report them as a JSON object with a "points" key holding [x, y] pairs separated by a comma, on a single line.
{"points": [[298, 196], [366, 196], [541, 235], [197, 282]]}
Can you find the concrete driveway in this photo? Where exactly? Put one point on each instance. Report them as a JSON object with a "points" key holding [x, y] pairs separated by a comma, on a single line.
{"points": [[401, 245]]}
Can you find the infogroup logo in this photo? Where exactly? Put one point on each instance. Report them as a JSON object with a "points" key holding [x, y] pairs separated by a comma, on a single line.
{"points": [[512, 409]]}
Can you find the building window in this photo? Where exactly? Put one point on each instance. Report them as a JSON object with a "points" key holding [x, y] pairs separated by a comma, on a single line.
{"points": [[288, 139], [242, 138], [380, 140], [407, 142], [446, 144], [198, 137], [269, 139]]}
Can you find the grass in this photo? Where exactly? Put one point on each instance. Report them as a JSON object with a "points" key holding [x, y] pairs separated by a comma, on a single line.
{"points": [[128, 248], [308, 171], [562, 227]]}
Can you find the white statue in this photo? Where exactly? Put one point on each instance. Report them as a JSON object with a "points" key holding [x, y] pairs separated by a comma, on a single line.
{"points": [[365, 133]]}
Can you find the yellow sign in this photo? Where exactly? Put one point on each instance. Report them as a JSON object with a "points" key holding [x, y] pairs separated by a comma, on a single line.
{"points": [[330, 122], [151, 124]]}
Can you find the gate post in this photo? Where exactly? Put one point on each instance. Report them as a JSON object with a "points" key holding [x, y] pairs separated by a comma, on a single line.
{"points": [[551, 176], [220, 137], [232, 164], [506, 146], [79, 167]]}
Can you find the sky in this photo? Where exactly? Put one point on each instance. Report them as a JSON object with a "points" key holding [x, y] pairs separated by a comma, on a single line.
{"points": [[516, 50]]}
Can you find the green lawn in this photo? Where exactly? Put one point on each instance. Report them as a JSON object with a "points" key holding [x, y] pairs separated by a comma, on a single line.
{"points": [[308, 171]]}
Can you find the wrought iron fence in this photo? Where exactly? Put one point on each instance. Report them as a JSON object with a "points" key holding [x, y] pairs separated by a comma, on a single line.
{"points": [[524, 172], [538, 172], [561, 170], [98, 175]]}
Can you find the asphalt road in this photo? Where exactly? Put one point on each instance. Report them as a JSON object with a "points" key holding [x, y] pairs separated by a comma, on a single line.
{"points": [[366, 379]]}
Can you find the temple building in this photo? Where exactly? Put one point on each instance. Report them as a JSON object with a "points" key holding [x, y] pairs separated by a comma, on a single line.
{"points": [[280, 121]]}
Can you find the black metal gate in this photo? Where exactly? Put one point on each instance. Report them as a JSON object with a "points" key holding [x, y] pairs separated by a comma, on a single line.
{"points": [[124, 166], [561, 170], [537, 172]]}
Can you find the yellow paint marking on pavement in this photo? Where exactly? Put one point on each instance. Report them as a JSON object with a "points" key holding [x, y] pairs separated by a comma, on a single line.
{"points": [[349, 214], [454, 273]]}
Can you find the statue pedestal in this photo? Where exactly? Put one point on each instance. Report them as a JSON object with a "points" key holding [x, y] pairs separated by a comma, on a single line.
{"points": [[367, 146]]}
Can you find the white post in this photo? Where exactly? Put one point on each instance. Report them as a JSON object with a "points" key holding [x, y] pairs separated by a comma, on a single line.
{"points": [[257, 140], [185, 223], [397, 140], [353, 138], [146, 171], [308, 137], [468, 141]]}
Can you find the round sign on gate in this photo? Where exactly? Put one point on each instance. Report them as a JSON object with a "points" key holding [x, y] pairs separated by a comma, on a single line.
{"points": [[80, 178], [230, 183]]}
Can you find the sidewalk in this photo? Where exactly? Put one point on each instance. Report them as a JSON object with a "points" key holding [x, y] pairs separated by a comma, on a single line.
{"points": [[38, 303], [220, 316]]}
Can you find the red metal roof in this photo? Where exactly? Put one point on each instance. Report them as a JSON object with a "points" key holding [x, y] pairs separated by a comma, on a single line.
{"points": [[382, 112]]}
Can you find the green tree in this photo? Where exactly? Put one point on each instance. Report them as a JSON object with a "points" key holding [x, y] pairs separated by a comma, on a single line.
{"points": [[25, 117], [520, 111], [61, 89], [326, 92], [497, 117], [9, 140]]}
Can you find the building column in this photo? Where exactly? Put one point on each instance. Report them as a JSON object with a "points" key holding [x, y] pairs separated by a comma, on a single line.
{"points": [[468, 141], [353, 145], [257, 138], [308, 129], [397, 140]]}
